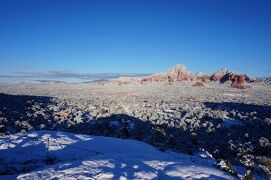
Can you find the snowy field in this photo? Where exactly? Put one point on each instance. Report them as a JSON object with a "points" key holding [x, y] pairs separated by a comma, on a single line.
{"points": [[95, 157]]}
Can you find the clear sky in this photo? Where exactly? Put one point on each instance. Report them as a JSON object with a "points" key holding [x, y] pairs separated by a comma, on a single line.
{"points": [[134, 36]]}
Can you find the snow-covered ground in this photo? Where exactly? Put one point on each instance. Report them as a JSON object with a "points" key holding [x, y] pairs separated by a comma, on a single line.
{"points": [[116, 159], [231, 122]]}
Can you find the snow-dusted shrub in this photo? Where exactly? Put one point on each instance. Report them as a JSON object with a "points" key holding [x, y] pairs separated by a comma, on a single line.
{"points": [[226, 165], [247, 160], [264, 169], [248, 175], [264, 142]]}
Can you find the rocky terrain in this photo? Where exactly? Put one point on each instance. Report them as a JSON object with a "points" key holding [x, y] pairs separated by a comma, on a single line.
{"points": [[227, 114]]}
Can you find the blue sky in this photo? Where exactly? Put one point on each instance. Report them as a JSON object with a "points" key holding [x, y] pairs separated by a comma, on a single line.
{"points": [[134, 36]]}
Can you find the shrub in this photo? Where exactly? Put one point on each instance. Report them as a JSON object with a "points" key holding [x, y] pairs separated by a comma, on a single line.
{"points": [[248, 175]]}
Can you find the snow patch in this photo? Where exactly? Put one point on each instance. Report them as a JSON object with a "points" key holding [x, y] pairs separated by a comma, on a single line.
{"points": [[119, 158]]}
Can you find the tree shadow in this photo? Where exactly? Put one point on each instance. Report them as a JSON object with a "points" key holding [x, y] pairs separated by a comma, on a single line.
{"points": [[31, 155]]}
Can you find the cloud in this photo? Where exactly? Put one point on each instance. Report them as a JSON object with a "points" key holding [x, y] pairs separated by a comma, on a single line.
{"points": [[67, 74], [28, 74], [14, 66]]}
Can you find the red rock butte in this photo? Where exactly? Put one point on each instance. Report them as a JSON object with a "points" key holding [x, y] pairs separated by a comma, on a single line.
{"points": [[180, 73]]}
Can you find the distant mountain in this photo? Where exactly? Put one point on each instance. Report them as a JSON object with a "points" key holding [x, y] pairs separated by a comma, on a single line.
{"points": [[180, 73], [176, 73], [266, 80]]}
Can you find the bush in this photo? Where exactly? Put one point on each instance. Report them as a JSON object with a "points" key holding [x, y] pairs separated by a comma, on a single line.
{"points": [[229, 166], [249, 175], [264, 142], [226, 165], [264, 167]]}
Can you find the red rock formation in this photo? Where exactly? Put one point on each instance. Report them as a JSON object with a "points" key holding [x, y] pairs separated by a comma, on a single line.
{"points": [[176, 73], [237, 81], [179, 73], [154, 78], [203, 77], [219, 75], [159, 78], [198, 84], [170, 79]]}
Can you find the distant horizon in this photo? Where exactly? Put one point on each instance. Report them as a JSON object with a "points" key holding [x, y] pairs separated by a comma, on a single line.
{"points": [[69, 78], [72, 77], [41, 38]]}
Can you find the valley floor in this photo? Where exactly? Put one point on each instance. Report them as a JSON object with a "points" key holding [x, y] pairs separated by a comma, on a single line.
{"points": [[232, 125]]}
